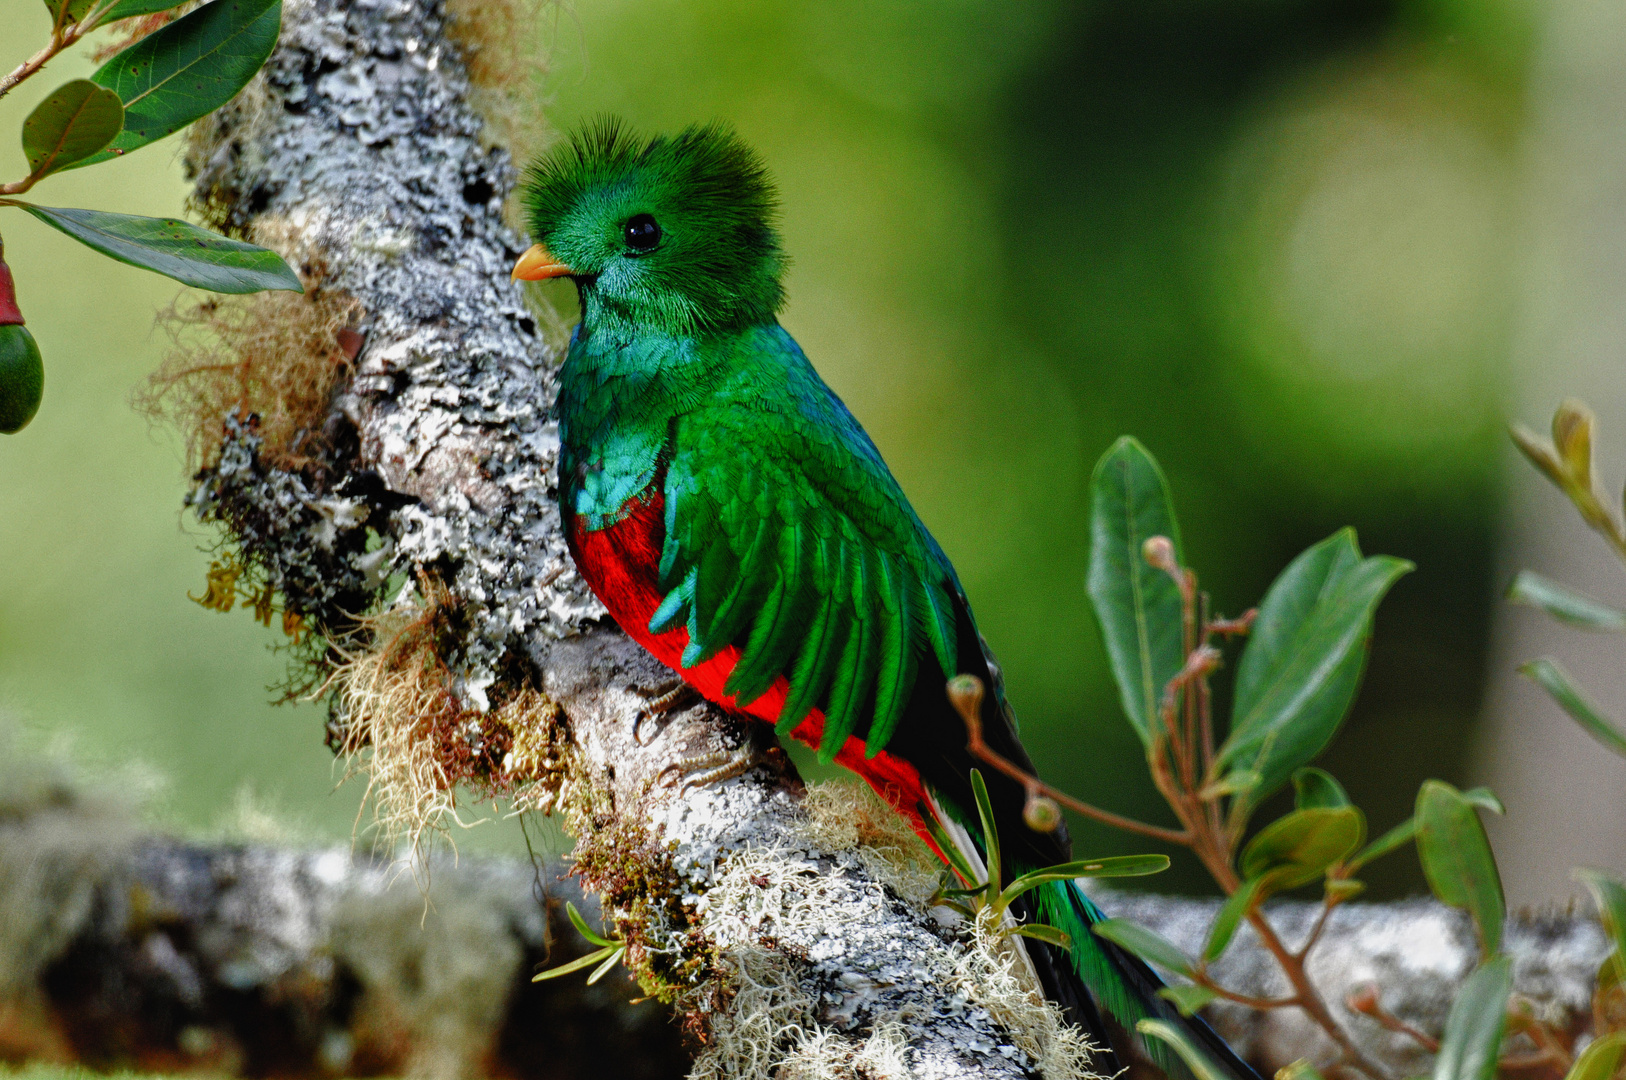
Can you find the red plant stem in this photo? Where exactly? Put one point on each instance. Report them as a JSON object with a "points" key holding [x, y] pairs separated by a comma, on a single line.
{"points": [[980, 749], [1315, 931], [1201, 979]]}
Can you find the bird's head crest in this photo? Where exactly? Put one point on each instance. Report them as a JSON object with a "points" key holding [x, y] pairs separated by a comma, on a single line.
{"points": [[675, 233]]}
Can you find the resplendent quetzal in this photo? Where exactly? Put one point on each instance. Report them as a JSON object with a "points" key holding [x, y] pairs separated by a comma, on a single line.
{"points": [[739, 524]]}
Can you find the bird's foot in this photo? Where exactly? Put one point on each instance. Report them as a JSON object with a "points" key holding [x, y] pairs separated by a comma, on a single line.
{"points": [[663, 700], [703, 770]]}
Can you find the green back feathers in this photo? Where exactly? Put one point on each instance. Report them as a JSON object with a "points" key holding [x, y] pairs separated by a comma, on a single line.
{"points": [[717, 262], [787, 537]]}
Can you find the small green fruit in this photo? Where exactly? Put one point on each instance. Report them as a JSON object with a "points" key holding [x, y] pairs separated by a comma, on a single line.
{"points": [[22, 378]]}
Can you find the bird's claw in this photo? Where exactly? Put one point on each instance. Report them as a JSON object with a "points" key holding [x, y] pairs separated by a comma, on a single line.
{"points": [[663, 700], [703, 770]]}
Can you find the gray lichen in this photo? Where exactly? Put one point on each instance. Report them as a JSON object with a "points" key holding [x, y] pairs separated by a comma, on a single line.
{"points": [[367, 163]]}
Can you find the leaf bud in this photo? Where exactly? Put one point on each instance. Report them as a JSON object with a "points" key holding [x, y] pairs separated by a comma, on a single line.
{"points": [[965, 694], [1040, 813], [1364, 1000], [1572, 437], [1158, 551]]}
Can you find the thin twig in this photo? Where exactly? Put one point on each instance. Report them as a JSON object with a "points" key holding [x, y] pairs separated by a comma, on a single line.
{"points": [[1327, 904], [1367, 1003], [967, 709]]}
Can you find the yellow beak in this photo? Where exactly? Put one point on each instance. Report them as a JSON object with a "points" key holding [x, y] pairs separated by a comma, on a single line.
{"points": [[537, 264]]}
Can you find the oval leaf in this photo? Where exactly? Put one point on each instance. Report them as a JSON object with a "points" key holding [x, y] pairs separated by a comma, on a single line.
{"points": [[1231, 914], [1137, 605], [1565, 604], [1146, 944], [75, 121], [1600, 1059], [1314, 788], [187, 69], [190, 255], [1457, 859], [1473, 1030], [1551, 677], [1303, 661], [1299, 848]]}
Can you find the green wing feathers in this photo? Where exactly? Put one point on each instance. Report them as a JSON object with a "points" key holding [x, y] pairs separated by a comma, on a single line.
{"points": [[804, 554]]}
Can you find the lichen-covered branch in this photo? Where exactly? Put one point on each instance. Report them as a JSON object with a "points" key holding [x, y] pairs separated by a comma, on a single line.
{"points": [[407, 531], [123, 948], [1415, 953]]}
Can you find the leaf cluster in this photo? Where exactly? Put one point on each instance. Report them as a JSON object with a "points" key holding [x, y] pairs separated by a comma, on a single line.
{"points": [[1567, 462], [1297, 677], [152, 88]]}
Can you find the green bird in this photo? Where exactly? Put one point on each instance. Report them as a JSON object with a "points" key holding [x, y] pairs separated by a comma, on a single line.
{"points": [[737, 522]]}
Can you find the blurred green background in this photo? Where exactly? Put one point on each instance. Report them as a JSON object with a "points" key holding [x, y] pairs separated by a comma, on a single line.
{"points": [[1272, 238]]}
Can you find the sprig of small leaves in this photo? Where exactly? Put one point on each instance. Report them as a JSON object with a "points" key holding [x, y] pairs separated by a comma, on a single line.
{"points": [[992, 899], [608, 954], [1567, 462]]}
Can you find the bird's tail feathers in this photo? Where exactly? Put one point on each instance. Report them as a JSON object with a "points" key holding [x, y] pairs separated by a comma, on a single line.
{"points": [[1126, 988]]}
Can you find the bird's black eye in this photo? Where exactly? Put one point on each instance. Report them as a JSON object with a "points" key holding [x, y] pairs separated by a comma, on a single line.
{"points": [[642, 232]]}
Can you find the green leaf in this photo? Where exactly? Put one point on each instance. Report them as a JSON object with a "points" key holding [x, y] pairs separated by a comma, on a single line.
{"points": [[127, 9], [1117, 866], [609, 962], [1610, 896], [1304, 658], [190, 255], [1338, 890], [187, 69], [1047, 934], [990, 835], [1473, 1030], [1299, 848], [1313, 788], [77, 9], [1231, 914], [598, 956], [1197, 1061], [1188, 998], [1138, 605], [1550, 676], [583, 929], [1395, 838], [75, 121], [1457, 859], [1298, 1070], [1600, 1059], [1146, 944], [1485, 799], [1565, 604]]}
